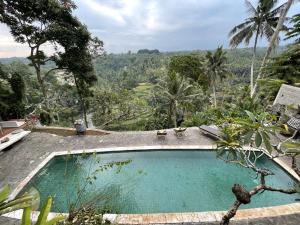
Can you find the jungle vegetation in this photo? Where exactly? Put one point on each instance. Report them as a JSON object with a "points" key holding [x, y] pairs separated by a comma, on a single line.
{"points": [[126, 95]]}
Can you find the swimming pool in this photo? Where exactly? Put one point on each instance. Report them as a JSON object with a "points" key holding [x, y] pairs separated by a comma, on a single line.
{"points": [[154, 182]]}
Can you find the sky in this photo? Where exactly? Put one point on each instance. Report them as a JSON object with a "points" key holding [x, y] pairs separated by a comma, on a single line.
{"points": [[167, 25]]}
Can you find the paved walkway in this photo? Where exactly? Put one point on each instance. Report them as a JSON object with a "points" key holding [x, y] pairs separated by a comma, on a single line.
{"points": [[17, 162]]}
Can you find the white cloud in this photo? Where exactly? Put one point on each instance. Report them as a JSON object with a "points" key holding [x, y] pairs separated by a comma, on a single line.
{"points": [[105, 10], [164, 24], [154, 21], [126, 9]]}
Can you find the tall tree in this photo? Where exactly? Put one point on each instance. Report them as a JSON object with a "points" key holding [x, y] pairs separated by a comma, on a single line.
{"points": [[175, 90], [273, 41], [39, 23], [189, 66], [31, 22], [80, 49], [216, 68], [261, 23]]}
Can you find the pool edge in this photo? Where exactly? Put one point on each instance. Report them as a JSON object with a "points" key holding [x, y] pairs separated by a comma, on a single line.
{"points": [[166, 218]]}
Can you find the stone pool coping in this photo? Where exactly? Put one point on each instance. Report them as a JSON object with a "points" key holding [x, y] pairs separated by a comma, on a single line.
{"points": [[166, 218]]}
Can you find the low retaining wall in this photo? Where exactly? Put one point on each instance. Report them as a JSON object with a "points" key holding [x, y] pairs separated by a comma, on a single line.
{"points": [[64, 131]]}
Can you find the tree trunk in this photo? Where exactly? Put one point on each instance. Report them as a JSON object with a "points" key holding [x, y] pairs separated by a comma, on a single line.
{"points": [[214, 93], [42, 85], [82, 103], [37, 67], [174, 114], [231, 213], [252, 64], [84, 113], [273, 40]]}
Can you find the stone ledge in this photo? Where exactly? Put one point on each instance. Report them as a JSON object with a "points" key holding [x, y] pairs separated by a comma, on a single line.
{"points": [[65, 131]]}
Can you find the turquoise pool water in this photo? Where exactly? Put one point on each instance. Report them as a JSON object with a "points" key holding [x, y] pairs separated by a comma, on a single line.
{"points": [[154, 182]]}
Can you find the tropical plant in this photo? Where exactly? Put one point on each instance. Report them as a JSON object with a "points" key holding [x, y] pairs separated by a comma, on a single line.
{"points": [[256, 131], [175, 90], [9, 205], [285, 66], [216, 68], [189, 66], [27, 202], [43, 216], [273, 41], [262, 22], [294, 32]]}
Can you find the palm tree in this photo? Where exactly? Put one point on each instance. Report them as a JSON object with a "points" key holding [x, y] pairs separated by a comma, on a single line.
{"points": [[216, 68], [262, 22], [272, 43], [176, 90]]}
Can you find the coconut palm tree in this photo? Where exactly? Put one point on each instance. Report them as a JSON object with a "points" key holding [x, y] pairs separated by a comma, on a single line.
{"points": [[272, 44], [261, 23], [215, 68], [176, 90]]}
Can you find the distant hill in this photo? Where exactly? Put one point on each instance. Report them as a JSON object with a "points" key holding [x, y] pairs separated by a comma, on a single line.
{"points": [[155, 51], [116, 67], [14, 59]]}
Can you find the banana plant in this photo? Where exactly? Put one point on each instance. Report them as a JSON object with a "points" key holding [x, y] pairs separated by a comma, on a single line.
{"points": [[43, 216], [27, 200]]}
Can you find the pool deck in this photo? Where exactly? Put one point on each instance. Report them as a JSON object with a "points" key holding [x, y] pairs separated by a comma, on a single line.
{"points": [[17, 162]]}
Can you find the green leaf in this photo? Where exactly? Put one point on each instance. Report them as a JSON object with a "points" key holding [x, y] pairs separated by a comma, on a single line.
{"points": [[251, 115], [267, 142], [44, 212], [18, 201], [26, 216], [292, 145], [35, 198], [4, 193], [258, 139], [5, 210], [55, 220], [248, 136]]}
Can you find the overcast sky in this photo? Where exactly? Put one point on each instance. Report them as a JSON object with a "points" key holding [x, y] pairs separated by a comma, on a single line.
{"points": [[167, 25]]}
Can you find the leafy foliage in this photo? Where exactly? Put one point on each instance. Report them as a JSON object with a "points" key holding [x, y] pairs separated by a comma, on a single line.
{"points": [[216, 68], [285, 66], [12, 94], [43, 216], [7, 205], [189, 66], [294, 32], [263, 20], [254, 130]]}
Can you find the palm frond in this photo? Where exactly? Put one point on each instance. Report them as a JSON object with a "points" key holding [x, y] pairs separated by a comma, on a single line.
{"points": [[249, 36], [239, 27], [268, 31], [250, 8], [277, 10], [240, 36]]}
